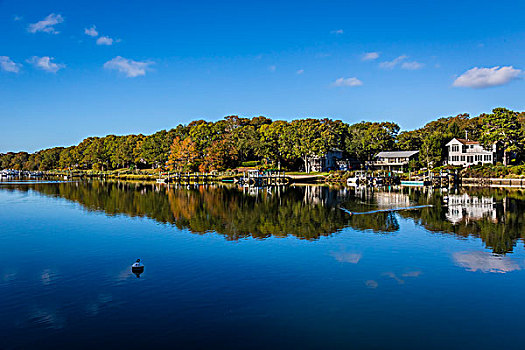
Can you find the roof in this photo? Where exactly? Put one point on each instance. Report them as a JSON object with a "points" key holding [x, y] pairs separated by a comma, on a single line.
{"points": [[464, 141], [396, 154]]}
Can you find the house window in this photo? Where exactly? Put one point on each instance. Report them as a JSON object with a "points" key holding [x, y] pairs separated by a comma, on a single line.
{"points": [[462, 158], [455, 148]]}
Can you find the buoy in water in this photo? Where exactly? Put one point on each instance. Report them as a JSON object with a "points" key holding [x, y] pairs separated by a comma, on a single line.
{"points": [[137, 268]]}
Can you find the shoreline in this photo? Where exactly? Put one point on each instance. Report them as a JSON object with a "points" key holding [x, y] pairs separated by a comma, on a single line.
{"points": [[293, 179]]}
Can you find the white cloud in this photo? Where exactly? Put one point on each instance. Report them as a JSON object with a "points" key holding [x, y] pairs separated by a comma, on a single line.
{"points": [[104, 40], [45, 63], [370, 56], [272, 68], [353, 81], [337, 32], [46, 25], [17, 18], [393, 63], [129, 67], [486, 77], [8, 65], [300, 71], [412, 65], [91, 31], [484, 262]]}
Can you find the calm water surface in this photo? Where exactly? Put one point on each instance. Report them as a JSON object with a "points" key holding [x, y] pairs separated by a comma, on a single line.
{"points": [[233, 268]]}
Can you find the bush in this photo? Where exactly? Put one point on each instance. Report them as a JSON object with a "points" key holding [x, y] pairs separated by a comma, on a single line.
{"points": [[496, 170], [250, 164]]}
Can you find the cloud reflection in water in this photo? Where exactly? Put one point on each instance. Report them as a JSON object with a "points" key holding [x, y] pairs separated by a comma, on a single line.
{"points": [[347, 257], [484, 262]]}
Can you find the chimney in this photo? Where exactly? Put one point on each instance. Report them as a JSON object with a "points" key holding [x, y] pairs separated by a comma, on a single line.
{"points": [[466, 135]]}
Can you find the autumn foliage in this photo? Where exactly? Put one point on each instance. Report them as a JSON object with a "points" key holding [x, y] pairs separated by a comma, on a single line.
{"points": [[228, 143]]}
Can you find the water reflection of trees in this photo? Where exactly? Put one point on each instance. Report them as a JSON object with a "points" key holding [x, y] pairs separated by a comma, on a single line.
{"points": [[226, 210], [309, 212]]}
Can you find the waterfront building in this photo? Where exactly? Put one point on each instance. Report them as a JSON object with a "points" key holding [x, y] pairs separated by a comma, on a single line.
{"points": [[327, 161], [465, 152], [393, 160]]}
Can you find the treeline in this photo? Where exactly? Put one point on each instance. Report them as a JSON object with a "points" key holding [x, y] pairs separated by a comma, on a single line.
{"points": [[233, 141]]}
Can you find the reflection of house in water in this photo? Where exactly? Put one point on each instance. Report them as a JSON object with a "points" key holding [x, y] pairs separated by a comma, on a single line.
{"points": [[383, 199], [463, 206], [391, 199], [315, 195]]}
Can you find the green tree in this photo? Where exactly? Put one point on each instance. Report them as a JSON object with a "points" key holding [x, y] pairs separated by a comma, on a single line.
{"points": [[502, 126], [273, 142], [433, 149], [366, 139]]}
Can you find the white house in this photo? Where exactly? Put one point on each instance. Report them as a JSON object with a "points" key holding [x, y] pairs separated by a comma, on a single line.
{"points": [[464, 152]]}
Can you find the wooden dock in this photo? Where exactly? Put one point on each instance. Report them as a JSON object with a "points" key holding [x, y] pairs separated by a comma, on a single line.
{"points": [[261, 179]]}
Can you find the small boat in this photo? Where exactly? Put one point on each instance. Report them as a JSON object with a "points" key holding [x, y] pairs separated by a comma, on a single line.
{"points": [[416, 183], [358, 180], [354, 181]]}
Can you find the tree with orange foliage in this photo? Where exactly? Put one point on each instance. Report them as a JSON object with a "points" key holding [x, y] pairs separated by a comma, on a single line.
{"points": [[221, 155], [183, 155]]}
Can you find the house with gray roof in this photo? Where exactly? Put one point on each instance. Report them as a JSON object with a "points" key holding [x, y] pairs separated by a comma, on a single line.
{"points": [[393, 160]]}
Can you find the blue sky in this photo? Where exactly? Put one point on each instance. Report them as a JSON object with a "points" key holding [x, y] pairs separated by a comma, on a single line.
{"points": [[150, 65]]}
